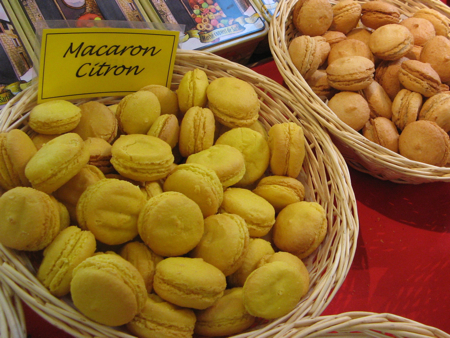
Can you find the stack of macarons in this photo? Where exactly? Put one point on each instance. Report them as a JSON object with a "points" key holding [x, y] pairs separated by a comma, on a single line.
{"points": [[166, 218], [379, 71]]}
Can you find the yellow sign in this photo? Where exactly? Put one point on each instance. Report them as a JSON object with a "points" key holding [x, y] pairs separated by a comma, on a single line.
{"points": [[93, 62]]}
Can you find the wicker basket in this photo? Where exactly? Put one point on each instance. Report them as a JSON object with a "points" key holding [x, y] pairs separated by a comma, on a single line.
{"points": [[12, 319], [358, 325], [359, 152], [325, 177]]}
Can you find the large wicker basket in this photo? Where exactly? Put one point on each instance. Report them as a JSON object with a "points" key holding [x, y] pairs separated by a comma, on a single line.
{"points": [[325, 176], [359, 152]]}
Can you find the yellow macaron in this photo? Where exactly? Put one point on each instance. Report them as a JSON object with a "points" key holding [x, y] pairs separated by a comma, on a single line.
{"points": [[108, 289], [110, 208], [141, 157], [199, 183], [57, 162], [29, 219], [66, 251], [54, 117]]}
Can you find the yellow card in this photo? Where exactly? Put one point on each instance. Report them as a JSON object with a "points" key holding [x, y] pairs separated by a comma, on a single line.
{"points": [[92, 62]]}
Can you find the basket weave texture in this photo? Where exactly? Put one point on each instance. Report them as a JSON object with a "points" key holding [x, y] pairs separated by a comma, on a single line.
{"points": [[360, 153], [325, 177], [12, 320]]}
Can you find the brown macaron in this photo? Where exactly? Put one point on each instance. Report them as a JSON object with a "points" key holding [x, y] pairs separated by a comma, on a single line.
{"points": [[436, 52], [351, 73], [383, 132], [313, 17], [379, 101], [391, 42], [439, 21], [406, 107], [437, 109], [422, 29], [424, 141], [386, 75], [352, 108], [419, 77], [375, 14], [346, 15], [349, 47], [305, 54]]}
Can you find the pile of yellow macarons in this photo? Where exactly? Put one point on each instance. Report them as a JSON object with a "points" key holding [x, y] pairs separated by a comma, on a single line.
{"points": [[172, 212]]}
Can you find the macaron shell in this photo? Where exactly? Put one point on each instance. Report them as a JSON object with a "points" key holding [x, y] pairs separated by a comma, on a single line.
{"points": [[196, 131], [419, 77], [426, 142], [166, 97], [300, 228], [436, 109], [141, 157], [159, 318], [5, 179], [143, 259], [108, 289], [97, 120], [255, 210], [280, 191], [253, 147], [199, 183], [391, 42], [226, 317], [351, 73], [375, 14], [57, 162], [439, 21], [346, 15], [406, 107], [110, 208], [287, 149], [29, 219], [293, 261], [304, 55], [137, 112], [224, 242], [314, 17], [167, 128], [54, 117], [383, 132], [242, 111], [227, 161], [67, 250], [379, 101], [189, 282], [192, 90], [436, 52], [70, 192], [171, 224], [257, 249], [20, 149], [272, 290]]}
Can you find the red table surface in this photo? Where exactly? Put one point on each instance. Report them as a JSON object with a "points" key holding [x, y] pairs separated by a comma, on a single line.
{"points": [[402, 261]]}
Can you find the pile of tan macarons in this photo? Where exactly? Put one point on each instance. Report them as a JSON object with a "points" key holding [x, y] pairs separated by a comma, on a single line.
{"points": [[171, 212], [383, 74]]}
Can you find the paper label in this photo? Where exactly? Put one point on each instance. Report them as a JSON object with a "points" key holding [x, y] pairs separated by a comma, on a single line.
{"points": [[93, 62]]}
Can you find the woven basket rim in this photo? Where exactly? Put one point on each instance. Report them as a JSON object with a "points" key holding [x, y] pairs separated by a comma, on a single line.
{"points": [[359, 152], [326, 178]]}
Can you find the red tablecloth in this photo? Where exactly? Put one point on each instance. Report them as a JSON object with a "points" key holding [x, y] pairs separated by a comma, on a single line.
{"points": [[402, 262]]}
